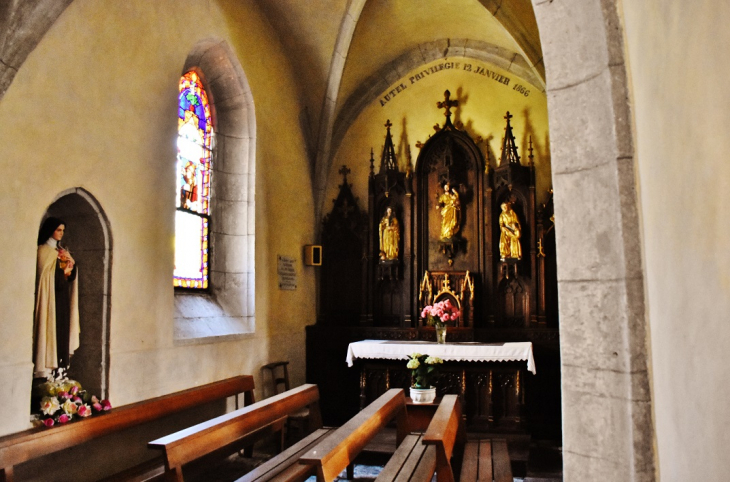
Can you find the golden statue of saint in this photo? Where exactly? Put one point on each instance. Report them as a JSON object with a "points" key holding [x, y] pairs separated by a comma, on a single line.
{"points": [[509, 240], [450, 212], [389, 236]]}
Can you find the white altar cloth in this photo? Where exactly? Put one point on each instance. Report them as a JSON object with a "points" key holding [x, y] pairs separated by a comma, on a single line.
{"points": [[469, 351]]}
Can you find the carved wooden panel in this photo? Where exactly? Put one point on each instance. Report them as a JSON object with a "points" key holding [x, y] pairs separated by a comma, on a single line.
{"points": [[341, 282], [491, 391]]}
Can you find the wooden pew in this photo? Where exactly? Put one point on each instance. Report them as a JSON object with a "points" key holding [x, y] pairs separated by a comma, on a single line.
{"points": [[339, 449], [240, 427], [420, 456], [30, 444], [486, 459]]}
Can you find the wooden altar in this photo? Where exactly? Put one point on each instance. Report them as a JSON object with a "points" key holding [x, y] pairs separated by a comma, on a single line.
{"points": [[486, 376], [457, 225]]}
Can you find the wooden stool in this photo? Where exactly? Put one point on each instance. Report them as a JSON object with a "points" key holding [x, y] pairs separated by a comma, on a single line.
{"points": [[299, 420]]}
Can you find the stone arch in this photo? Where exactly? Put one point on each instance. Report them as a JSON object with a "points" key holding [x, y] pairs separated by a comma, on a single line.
{"points": [[229, 306], [88, 236], [23, 25], [374, 86], [608, 432]]}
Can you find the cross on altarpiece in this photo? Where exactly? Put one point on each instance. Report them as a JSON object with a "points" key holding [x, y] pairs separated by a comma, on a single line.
{"points": [[388, 125], [447, 104], [344, 170]]}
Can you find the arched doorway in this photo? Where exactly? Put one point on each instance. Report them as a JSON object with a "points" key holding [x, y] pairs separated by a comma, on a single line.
{"points": [[88, 238]]}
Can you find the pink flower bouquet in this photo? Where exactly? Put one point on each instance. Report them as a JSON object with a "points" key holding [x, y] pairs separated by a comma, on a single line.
{"points": [[64, 400], [441, 313]]}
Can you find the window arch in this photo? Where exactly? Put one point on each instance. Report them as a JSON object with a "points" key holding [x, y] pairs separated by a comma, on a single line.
{"points": [[195, 136], [227, 308]]}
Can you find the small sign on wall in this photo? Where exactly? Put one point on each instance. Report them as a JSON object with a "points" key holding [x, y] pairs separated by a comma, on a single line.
{"points": [[287, 272]]}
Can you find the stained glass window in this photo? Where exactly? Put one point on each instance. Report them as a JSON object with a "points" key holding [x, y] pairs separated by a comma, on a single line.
{"points": [[194, 147]]}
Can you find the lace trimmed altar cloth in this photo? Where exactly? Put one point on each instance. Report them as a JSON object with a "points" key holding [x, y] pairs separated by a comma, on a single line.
{"points": [[468, 351]]}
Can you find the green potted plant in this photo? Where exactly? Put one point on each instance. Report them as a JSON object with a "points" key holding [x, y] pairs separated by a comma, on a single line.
{"points": [[424, 372]]}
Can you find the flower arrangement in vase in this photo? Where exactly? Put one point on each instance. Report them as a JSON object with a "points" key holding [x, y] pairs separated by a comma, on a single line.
{"points": [[438, 315], [63, 400], [424, 371]]}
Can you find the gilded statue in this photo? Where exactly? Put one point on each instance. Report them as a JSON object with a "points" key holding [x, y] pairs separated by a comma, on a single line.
{"points": [[509, 239], [450, 212], [389, 236]]}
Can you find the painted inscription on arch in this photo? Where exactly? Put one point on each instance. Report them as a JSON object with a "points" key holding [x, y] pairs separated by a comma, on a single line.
{"points": [[473, 68]]}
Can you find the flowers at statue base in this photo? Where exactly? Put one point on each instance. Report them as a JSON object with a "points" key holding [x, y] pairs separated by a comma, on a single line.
{"points": [[63, 400], [424, 369], [439, 314]]}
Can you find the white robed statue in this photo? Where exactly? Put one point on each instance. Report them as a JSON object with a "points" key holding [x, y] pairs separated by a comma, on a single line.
{"points": [[56, 321]]}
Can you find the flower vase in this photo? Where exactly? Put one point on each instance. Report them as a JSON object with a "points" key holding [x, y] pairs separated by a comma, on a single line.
{"points": [[441, 335], [423, 395]]}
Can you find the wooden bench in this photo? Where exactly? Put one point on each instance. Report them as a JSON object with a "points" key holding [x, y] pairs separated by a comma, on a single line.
{"points": [[486, 459], [326, 452], [420, 456], [30, 444], [338, 450], [240, 427]]}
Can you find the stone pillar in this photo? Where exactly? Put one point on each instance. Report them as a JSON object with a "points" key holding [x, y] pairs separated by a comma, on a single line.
{"points": [[607, 427]]}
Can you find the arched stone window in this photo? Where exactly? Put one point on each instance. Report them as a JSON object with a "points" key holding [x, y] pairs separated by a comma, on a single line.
{"points": [[195, 136], [226, 308]]}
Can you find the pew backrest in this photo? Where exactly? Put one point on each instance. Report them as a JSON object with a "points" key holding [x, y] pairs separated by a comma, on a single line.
{"points": [[21, 447], [338, 450], [247, 423], [445, 433], [420, 456]]}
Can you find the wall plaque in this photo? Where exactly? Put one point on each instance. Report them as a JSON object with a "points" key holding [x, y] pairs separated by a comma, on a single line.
{"points": [[287, 272]]}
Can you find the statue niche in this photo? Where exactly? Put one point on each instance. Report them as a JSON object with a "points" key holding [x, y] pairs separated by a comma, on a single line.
{"points": [[389, 287], [513, 214], [449, 176]]}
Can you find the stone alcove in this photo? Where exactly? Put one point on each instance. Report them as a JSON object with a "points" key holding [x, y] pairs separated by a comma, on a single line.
{"points": [[88, 238]]}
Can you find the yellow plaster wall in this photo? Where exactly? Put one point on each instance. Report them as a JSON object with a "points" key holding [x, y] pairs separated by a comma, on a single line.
{"points": [[413, 112], [386, 30], [679, 73], [94, 106]]}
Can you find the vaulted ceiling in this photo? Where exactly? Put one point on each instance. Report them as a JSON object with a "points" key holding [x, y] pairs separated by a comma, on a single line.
{"points": [[337, 46], [384, 31]]}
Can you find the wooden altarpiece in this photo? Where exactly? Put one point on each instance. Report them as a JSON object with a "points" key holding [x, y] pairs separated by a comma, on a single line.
{"points": [[458, 219]]}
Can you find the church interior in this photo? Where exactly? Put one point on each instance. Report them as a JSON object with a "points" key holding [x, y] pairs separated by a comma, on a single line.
{"points": [[247, 181]]}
